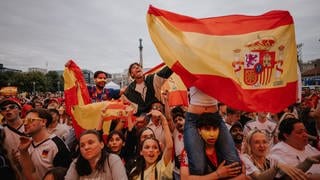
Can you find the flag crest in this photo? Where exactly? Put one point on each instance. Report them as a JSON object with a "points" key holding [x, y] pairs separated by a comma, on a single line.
{"points": [[246, 62]]}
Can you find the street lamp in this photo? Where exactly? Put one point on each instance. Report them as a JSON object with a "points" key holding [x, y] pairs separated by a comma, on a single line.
{"points": [[140, 50], [34, 87]]}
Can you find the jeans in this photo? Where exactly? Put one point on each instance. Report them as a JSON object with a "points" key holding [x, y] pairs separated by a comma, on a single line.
{"points": [[195, 148]]}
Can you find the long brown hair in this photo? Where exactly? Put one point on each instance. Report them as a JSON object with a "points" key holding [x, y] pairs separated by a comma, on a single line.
{"points": [[82, 165], [141, 162]]}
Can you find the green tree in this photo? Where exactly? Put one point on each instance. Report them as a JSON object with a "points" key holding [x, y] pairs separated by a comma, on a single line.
{"points": [[54, 81]]}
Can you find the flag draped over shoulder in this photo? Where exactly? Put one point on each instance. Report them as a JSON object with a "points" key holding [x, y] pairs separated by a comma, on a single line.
{"points": [[246, 62], [178, 94]]}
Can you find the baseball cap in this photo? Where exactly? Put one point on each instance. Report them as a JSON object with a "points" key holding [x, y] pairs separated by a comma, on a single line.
{"points": [[7, 101]]}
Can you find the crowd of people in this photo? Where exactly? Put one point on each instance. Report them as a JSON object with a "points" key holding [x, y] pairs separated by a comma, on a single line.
{"points": [[205, 140]]}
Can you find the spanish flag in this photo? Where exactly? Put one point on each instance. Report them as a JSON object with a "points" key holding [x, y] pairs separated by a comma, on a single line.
{"points": [[84, 114], [246, 62], [177, 91]]}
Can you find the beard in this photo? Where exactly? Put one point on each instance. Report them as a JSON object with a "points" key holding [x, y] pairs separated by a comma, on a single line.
{"points": [[30, 134], [100, 85]]}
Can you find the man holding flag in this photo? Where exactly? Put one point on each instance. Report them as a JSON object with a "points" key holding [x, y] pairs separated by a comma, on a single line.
{"points": [[145, 90], [236, 57]]}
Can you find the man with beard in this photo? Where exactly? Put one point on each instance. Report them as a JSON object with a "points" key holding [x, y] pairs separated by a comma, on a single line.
{"points": [[236, 132], [99, 92], [144, 91], [47, 150]]}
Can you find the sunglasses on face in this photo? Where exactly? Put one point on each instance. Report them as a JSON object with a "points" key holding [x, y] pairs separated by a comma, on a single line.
{"points": [[156, 107], [12, 106], [30, 120]]}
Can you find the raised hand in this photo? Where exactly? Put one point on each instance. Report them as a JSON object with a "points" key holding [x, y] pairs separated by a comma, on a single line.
{"points": [[292, 172]]}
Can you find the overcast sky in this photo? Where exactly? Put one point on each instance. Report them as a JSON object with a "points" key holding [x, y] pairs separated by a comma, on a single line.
{"points": [[104, 34]]}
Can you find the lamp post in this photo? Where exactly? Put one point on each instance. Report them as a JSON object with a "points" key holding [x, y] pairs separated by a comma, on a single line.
{"points": [[34, 87], [140, 50]]}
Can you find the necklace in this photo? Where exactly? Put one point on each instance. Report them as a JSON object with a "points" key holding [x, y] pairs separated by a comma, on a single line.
{"points": [[261, 166]]}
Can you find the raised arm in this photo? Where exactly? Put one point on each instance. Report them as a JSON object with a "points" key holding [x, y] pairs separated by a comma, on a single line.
{"points": [[167, 156]]}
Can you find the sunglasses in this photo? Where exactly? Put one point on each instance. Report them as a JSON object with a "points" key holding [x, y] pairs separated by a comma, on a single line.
{"points": [[12, 106], [30, 120], [156, 107]]}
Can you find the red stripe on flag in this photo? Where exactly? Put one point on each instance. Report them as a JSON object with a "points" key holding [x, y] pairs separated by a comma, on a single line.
{"points": [[155, 69], [257, 100], [70, 98], [71, 94], [178, 98], [226, 25]]}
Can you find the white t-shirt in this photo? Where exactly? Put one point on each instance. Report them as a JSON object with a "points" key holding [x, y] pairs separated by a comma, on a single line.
{"points": [[12, 139], [44, 153], [287, 154], [178, 146], [115, 171], [61, 130], [157, 84], [158, 132], [197, 97], [250, 167], [269, 127]]}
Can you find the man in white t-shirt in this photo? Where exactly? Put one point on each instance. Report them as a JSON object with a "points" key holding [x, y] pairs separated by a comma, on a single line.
{"points": [[294, 149], [262, 123], [44, 150], [61, 130], [155, 123]]}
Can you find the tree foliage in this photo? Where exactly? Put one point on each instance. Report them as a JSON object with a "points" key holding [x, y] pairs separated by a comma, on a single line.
{"points": [[32, 81]]}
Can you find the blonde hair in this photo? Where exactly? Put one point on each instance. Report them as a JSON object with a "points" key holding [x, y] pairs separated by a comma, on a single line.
{"points": [[247, 147]]}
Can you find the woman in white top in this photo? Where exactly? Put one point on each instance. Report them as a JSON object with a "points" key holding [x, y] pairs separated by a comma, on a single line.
{"points": [[258, 165], [94, 162]]}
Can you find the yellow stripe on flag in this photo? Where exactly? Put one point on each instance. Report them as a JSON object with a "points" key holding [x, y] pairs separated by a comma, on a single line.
{"points": [[89, 115], [246, 62]]}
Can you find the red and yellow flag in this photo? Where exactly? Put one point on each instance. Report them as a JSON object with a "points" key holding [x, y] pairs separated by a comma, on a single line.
{"points": [[84, 114], [178, 94], [246, 62], [75, 91]]}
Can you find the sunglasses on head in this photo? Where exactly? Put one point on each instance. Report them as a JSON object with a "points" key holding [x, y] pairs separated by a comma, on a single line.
{"points": [[12, 106], [30, 120]]}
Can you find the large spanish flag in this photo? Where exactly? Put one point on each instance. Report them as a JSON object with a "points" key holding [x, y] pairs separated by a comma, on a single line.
{"points": [[246, 62]]}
